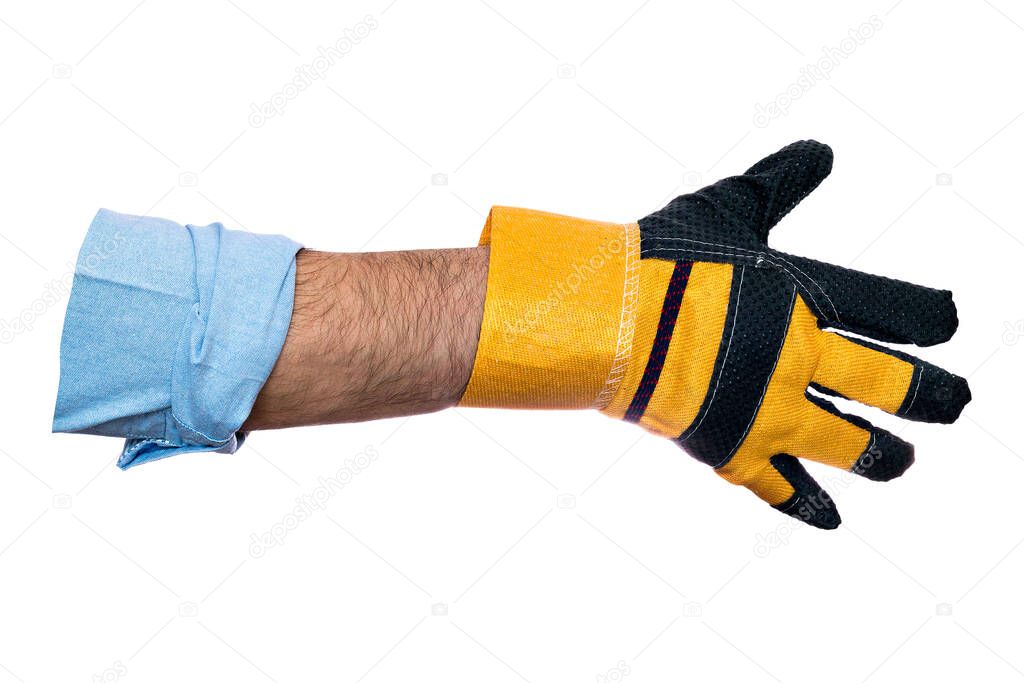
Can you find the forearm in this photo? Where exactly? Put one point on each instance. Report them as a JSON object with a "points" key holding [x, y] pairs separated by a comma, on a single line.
{"points": [[375, 335]]}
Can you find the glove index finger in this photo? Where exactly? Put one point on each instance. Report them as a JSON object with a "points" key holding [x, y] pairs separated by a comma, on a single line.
{"points": [[872, 305]]}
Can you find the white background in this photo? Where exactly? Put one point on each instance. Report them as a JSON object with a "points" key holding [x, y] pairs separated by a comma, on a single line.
{"points": [[488, 545]]}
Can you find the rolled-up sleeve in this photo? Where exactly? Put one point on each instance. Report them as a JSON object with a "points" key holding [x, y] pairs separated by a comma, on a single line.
{"points": [[170, 333]]}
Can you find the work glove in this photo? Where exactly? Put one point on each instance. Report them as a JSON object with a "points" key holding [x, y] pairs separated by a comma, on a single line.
{"points": [[687, 323]]}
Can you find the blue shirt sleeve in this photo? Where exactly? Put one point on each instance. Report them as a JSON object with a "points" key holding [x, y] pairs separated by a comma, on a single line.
{"points": [[170, 333]]}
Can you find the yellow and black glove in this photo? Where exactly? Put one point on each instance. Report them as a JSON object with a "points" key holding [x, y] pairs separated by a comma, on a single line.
{"points": [[687, 323]]}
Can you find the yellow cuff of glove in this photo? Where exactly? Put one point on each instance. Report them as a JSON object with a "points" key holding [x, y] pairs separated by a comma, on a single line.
{"points": [[559, 313]]}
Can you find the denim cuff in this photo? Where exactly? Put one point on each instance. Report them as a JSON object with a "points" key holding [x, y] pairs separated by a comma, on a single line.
{"points": [[170, 333]]}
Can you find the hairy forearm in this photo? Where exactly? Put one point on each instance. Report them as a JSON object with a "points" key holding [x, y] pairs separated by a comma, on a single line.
{"points": [[376, 335]]}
